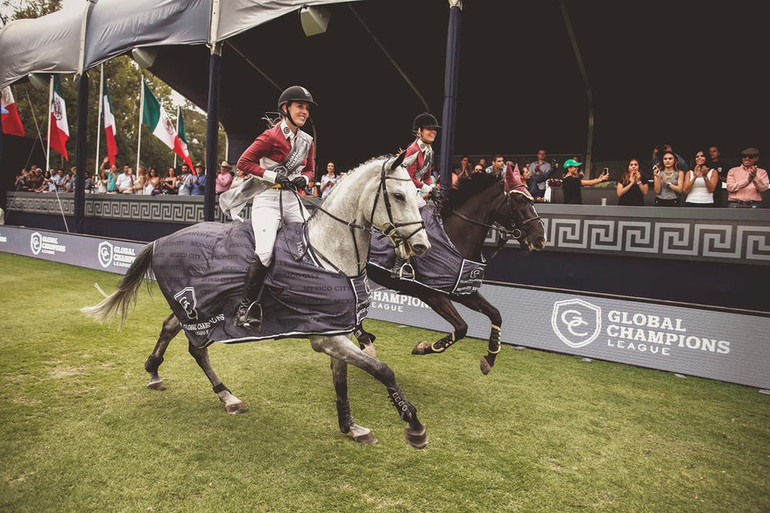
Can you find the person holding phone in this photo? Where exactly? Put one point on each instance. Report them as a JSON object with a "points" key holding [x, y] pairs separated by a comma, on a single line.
{"points": [[631, 188], [700, 183], [668, 181], [573, 181]]}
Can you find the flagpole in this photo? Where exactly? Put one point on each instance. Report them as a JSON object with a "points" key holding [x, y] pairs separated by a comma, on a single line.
{"points": [[141, 114], [50, 103], [178, 110], [99, 116]]}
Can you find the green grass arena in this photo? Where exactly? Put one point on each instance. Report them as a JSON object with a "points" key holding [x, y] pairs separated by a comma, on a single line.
{"points": [[542, 432]]}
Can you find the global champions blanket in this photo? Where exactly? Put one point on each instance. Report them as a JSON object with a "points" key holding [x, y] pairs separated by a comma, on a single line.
{"points": [[442, 268], [201, 271]]}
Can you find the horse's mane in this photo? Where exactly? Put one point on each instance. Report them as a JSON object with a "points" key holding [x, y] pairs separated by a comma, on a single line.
{"points": [[451, 198]]}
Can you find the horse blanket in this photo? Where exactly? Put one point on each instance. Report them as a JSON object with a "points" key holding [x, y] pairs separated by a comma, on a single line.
{"points": [[201, 271], [442, 268]]}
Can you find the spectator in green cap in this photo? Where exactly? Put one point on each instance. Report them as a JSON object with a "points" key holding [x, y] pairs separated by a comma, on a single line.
{"points": [[573, 181]]}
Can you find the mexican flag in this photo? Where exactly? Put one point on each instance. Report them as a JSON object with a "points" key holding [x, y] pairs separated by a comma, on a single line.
{"points": [[109, 123], [11, 121], [58, 130], [182, 135], [156, 118]]}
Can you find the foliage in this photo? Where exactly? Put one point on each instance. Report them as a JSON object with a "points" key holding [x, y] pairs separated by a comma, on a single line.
{"points": [[543, 432], [25, 9]]}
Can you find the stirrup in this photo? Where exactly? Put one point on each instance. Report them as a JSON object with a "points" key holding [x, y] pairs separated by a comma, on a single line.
{"points": [[405, 272], [251, 318]]}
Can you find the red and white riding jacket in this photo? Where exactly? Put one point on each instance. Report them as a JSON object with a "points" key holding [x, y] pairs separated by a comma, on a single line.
{"points": [[421, 169]]}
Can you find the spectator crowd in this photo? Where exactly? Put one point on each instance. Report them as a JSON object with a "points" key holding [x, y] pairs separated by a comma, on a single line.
{"points": [[706, 181]]}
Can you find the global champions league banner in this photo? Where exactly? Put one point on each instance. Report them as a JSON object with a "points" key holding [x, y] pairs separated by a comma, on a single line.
{"points": [[698, 342]]}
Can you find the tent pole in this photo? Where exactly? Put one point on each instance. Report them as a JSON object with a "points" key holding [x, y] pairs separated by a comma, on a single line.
{"points": [[451, 78], [141, 115], [212, 133], [178, 110], [99, 118], [81, 147], [48, 136]]}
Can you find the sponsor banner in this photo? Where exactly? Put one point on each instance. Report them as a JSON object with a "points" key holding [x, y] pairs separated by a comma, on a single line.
{"points": [[84, 251], [719, 345], [697, 342]]}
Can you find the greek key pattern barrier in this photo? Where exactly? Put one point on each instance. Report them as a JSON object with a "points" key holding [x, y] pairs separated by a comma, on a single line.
{"points": [[686, 239]]}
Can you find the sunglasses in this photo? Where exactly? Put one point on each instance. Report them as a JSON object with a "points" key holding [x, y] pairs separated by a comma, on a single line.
{"points": [[749, 156]]}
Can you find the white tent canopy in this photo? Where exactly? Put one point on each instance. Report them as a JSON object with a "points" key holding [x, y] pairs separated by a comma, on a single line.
{"points": [[52, 43]]}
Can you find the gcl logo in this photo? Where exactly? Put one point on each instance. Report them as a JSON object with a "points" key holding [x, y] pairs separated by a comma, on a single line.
{"points": [[186, 298], [576, 322], [36, 243], [105, 254]]}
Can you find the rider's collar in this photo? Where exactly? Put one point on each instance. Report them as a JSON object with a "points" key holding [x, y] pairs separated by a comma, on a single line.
{"points": [[286, 131], [424, 148]]}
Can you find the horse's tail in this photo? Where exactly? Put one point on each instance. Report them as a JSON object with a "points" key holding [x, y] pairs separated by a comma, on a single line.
{"points": [[122, 299]]}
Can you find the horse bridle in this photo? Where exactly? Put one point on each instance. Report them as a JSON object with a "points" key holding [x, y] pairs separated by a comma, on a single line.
{"points": [[505, 234], [390, 228]]}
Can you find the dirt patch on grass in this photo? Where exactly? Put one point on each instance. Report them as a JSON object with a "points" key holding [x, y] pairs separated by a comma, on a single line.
{"points": [[65, 372]]}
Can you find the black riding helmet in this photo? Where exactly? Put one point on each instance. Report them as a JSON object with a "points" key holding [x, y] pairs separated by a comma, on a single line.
{"points": [[425, 120], [294, 94]]}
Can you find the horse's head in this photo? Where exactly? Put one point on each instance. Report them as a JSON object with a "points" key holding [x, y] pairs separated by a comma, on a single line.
{"points": [[517, 214], [395, 210]]}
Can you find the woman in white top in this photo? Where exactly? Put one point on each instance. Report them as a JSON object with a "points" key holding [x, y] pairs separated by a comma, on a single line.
{"points": [[328, 180], [700, 182], [239, 178]]}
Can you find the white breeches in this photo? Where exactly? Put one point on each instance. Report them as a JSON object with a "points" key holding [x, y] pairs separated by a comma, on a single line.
{"points": [[266, 215]]}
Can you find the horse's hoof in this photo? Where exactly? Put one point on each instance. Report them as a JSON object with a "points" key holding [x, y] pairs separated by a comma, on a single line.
{"points": [[421, 348], [366, 439], [370, 350], [485, 367], [418, 440], [235, 408], [156, 385]]}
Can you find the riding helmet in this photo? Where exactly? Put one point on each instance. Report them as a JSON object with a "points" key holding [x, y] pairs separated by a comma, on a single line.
{"points": [[295, 94], [425, 120]]}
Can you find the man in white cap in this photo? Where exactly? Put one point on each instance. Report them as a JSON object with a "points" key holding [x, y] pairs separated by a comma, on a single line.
{"points": [[224, 177], [745, 182]]}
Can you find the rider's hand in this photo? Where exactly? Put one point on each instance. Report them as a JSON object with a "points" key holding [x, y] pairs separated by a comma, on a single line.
{"points": [[283, 181], [299, 182], [427, 189]]}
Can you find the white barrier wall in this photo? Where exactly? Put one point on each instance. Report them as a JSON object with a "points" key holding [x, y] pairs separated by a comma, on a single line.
{"points": [[713, 344]]}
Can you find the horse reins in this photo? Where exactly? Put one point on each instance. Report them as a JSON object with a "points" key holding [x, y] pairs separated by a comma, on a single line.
{"points": [[390, 228]]}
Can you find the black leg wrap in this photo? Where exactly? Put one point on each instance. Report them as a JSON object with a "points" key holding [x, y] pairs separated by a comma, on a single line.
{"points": [[494, 340], [153, 363], [405, 409], [442, 344], [220, 388], [344, 416]]}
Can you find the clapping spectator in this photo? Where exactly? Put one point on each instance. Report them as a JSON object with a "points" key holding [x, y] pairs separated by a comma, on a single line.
{"points": [[100, 180], [153, 186], [700, 183], [169, 183], [112, 180], [224, 178], [22, 182], [668, 181], [140, 180], [745, 182], [659, 150], [539, 171], [631, 188], [199, 180], [125, 181], [185, 181]]}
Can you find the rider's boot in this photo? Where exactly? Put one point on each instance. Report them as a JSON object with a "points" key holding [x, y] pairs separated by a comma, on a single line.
{"points": [[249, 314], [402, 269]]}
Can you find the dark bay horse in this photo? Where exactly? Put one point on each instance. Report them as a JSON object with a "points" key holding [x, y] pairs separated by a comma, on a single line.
{"points": [[478, 204], [377, 194]]}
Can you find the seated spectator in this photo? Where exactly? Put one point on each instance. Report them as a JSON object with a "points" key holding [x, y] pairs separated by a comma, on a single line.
{"points": [[224, 178], [169, 184], [700, 183], [745, 182], [153, 187], [631, 188], [498, 165], [463, 171], [328, 180], [478, 168], [239, 178], [199, 180], [573, 181], [668, 181]]}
